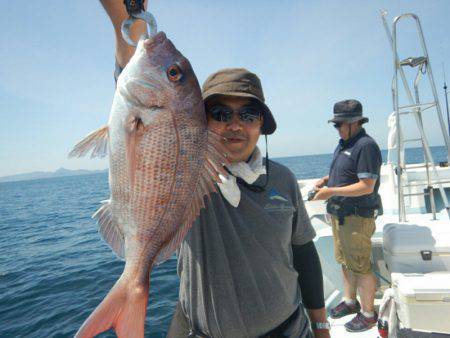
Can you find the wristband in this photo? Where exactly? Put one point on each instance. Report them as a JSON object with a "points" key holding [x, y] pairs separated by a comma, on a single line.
{"points": [[321, 326]]}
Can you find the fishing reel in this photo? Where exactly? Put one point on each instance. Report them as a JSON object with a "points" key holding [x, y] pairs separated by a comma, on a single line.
{"points": [[311, 194]]}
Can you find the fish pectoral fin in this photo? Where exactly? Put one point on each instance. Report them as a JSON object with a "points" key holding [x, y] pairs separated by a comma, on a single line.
{"points": [[134, 128], [96, 141], [213, 166], [134, 124], [109, 229]]}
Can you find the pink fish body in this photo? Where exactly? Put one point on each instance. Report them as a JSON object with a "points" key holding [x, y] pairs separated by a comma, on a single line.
{"points": [[163, 161]]}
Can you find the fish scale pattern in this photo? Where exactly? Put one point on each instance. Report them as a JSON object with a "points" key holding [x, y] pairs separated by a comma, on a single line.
{"points": [[171, 157]]}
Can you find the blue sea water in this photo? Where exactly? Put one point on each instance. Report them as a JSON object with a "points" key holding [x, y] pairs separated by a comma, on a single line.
{"points": [[54, 269]]}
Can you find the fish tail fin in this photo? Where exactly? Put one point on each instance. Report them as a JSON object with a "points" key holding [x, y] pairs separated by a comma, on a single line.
{"points": [[123, 309]]}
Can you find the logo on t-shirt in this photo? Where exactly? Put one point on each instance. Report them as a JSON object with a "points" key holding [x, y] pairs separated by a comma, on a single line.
{"points": [[277, 203], [274, 195]]}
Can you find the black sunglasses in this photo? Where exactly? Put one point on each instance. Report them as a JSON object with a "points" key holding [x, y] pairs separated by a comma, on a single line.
{"points": [[337, 125], [247, 114]]}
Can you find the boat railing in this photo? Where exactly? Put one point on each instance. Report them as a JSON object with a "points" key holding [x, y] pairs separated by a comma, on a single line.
{"points": [[416, 108]]}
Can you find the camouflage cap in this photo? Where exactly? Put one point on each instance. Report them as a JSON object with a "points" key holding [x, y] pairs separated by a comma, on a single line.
{"points": [[239, 82]]}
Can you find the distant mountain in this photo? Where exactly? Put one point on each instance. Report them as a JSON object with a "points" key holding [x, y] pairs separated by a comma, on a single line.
{"points": [[48, 174]]}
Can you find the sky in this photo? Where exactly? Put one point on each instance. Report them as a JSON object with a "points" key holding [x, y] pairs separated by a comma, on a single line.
{"points": [[57, 60]]}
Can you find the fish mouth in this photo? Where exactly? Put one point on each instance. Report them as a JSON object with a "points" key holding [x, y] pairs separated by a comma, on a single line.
{"points": [[147, 84], [155, 40], [148, 100]]}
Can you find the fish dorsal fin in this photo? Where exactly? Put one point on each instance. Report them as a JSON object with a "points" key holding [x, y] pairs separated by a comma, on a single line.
{"points": [[213, 165], [96, 141], [109, 229]]}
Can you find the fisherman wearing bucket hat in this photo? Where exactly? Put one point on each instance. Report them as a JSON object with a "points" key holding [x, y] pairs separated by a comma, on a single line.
{"points": [[258, 216], [239, 82], [348, 111], [351, 191]]}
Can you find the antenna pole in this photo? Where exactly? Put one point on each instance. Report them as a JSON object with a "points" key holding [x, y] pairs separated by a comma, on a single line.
{"points": [[446, 101]]}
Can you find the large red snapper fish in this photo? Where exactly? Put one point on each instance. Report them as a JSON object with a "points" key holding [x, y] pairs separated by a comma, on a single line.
{"points": [[163, 161]]}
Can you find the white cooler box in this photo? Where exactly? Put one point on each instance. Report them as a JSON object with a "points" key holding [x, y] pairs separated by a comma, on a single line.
{"points": [[423, 300], [417, 248]]}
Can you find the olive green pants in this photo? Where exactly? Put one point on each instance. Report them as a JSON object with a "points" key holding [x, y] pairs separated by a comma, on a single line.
{"points": [[352, 243]]}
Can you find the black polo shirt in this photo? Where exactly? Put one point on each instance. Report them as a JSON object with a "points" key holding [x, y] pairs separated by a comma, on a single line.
{"points": [[359, 157]]}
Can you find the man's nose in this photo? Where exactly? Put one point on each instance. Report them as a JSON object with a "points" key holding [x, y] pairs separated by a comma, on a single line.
{"points": [[235, 123]]}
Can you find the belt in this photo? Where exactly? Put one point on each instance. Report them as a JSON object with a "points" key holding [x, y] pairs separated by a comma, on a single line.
{"points": [[342, 210]]}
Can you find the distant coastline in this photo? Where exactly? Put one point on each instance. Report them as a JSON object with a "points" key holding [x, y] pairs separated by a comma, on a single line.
{"points": [[439, 155], [61, 172]]}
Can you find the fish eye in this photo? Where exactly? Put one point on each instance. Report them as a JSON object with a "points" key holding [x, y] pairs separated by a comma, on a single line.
{"points": [[174, 73]]}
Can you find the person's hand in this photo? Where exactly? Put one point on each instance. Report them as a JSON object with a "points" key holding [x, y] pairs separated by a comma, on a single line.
{"points": [[117, 13], [320, 183], [323, 194], [321, 333]]}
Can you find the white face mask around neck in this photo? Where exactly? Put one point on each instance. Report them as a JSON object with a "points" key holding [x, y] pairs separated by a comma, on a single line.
{"points": [[248, 171]]}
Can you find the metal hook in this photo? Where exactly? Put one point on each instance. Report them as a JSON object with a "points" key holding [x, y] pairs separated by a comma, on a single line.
{"points": [[126, 25]]}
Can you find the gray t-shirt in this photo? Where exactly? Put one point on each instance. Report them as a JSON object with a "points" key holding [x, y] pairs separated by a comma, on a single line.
{"points": [[235, 265]]}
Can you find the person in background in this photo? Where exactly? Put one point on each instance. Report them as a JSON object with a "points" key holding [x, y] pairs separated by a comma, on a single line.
{"points": [[248, 266], [351, 191]]}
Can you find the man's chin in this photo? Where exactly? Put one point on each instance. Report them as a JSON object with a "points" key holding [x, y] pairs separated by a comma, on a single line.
{"points": [[235, 157], [234, 148], [237, 152]]}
